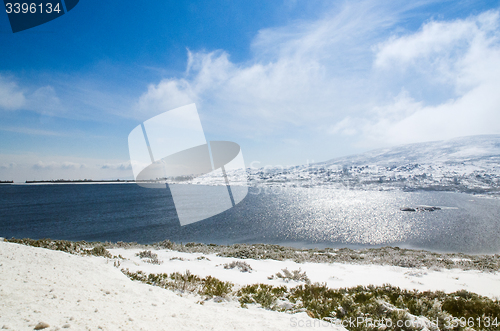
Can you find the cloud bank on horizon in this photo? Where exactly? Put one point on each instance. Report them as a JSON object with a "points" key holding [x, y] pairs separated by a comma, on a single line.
{"points": [[356, 74]]}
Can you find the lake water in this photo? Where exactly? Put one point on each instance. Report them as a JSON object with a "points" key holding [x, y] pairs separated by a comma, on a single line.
{"points": [[300, 217]]}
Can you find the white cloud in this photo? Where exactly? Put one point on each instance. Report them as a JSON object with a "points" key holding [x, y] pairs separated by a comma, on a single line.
{"points": [[445, 48], [10, 165], [345, 127], [166, 95], [40, 165], [39, 99], [11, 97], [45, 100], [118, 166], [463, 55], [476, 112]]}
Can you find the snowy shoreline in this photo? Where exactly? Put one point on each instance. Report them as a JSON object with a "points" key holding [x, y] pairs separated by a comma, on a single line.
{"points": [[87, 292]]}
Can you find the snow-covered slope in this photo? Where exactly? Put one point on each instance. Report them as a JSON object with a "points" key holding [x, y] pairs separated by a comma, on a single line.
{"points": [[467, 164], [51, 290], [464, 149]]}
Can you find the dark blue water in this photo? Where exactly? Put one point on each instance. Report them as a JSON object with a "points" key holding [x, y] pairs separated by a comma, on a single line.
{"points": [[298, 217]]}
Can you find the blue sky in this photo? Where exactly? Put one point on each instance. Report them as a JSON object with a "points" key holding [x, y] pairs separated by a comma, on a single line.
{"points": [[290, 81]]}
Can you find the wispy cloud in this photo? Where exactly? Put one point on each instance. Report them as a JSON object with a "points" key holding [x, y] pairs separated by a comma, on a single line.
{"points": [[10, 165], [45, 100], [11, 96], [42, 99], [40, 165], [118, 166], [462, 56], [30, 131], [439, 41]]}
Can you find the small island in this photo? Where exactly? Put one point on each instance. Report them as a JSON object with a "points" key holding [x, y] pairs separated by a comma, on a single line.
{"points": [[80, 181]]}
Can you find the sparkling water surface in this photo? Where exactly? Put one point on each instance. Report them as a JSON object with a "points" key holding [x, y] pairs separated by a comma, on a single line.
{"points": [[299, 217]]}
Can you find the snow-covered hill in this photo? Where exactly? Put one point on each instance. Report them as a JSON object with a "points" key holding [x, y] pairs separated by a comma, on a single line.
{"points": [[467, 164]]}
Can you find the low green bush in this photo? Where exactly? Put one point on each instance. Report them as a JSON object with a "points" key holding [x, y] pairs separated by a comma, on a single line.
{"points": [[213, 287], [241, 265], [263, 294], [187, 282], [295, 275]]}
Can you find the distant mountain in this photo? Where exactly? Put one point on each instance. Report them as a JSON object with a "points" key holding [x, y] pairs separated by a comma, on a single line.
{"points": [[464, 149], [467, 164]]}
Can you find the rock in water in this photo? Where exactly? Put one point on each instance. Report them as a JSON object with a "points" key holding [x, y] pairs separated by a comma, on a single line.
{"points": [[420, 208], [428, 208]]}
